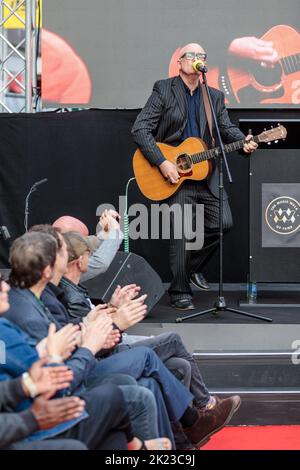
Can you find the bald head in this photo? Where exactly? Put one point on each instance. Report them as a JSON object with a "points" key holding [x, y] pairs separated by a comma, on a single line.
{"points": [[66, 223], [188, 55], [192, 47]]}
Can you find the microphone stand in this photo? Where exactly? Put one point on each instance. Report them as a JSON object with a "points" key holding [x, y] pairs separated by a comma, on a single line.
{"points": [[220, 302], [26, 212]]}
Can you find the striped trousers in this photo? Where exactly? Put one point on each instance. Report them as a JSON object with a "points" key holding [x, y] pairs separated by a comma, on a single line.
{"points": [[184, 262]]}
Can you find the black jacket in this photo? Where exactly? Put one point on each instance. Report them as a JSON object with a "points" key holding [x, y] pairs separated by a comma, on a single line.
{"points": [[164, 118], [75, 299]]}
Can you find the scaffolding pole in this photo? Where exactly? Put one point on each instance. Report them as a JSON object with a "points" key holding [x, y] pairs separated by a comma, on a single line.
{"points": [[28, 58], [18, 74]]}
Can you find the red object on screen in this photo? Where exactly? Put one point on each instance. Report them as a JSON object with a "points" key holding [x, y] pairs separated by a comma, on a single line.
{"points": [[65, 77], [173, 66], [246, 80], [212, 74]]}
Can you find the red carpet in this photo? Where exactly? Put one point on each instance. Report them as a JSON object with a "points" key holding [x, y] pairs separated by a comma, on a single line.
{"points": [[256, 438]]}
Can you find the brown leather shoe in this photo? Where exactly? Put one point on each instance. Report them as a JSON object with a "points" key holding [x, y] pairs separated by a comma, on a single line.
{"points": [[211, 421], [235, 398]]}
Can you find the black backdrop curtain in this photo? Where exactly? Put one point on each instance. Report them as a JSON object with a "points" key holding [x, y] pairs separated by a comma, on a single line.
{"points": [[86, 157]]}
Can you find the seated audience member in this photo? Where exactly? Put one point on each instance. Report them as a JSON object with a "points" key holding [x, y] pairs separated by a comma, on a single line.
{"points": [[33, 255], [51, 297], [141, 402], [43, 413], [142, 364], [167, 346], [105, 425], [110, 237]]}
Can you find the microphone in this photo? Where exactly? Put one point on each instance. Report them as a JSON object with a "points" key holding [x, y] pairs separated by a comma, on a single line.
{"points": [[32, 190], [40, 182], [199, 66]]}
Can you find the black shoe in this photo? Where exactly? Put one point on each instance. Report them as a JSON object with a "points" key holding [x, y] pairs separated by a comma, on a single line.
{"points": [[183, 304], [199, 281]]}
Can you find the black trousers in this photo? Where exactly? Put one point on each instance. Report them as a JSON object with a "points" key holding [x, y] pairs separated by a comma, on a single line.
{"points": [[107, 426], [183, 261]]}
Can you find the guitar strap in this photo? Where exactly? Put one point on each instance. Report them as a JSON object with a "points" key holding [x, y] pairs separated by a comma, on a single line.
{"points": [[207, 112]]}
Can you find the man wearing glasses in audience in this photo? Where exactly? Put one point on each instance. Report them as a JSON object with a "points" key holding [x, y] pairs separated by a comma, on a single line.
{"points": [[174, 112]]}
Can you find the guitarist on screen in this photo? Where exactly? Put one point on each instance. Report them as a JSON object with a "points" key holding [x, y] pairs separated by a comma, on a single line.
{"points": [[174, 112]]}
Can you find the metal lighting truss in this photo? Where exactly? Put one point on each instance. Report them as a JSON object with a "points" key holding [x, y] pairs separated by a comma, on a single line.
{"points": [[22, 54]]}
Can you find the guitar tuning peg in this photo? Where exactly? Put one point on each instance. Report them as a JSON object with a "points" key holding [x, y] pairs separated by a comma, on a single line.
{"points": [[272, 127], [265, 129], [276, 141], [269, 143]]}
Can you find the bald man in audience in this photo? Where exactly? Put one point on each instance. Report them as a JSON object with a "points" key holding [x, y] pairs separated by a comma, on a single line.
{"points": [[110, 238]]}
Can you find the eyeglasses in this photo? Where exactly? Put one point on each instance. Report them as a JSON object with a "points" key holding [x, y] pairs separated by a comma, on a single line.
{"points": [[194, 55]]}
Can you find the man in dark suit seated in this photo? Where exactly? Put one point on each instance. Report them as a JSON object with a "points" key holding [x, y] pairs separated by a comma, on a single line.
{"points": [[174, 112]]}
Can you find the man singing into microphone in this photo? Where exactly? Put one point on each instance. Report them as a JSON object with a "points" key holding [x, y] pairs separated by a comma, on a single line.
{"points": [[174, 112]]}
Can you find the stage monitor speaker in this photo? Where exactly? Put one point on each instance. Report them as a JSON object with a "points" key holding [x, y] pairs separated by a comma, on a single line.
{"points": [[275, 215], [127, 268]]}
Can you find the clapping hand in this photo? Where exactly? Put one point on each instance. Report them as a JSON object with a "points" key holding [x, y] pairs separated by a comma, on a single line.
{"points": [[130, 313], [109, 220], [123, 295], [112, 339], [96, 333], [97, 311], [63, 342], [48, 380], [49, 413]]}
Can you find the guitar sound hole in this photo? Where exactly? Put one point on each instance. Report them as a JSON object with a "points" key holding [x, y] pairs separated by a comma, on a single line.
{"points": [[266, 75], [184, 162]]}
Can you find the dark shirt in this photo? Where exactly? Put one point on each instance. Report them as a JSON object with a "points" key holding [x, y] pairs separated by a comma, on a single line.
{"points": [[53, 298], [192, 128], [45, 308], [77, 302]]}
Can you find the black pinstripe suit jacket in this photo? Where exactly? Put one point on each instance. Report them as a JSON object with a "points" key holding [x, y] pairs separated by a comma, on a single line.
{"points": [[164, 118]]}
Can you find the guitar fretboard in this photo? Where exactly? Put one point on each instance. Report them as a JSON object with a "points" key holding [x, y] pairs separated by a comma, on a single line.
{"points": [[212, 153], [291, 63]]}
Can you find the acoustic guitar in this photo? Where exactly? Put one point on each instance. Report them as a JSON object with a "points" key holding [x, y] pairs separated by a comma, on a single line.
{"points": [[245, 80], [192, 159]]}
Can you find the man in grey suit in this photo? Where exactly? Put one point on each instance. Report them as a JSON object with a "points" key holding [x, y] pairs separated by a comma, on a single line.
{"points": [[174, 112]]}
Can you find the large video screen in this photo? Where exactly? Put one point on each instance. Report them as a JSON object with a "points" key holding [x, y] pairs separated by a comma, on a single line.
{"points": [[109, 53]]}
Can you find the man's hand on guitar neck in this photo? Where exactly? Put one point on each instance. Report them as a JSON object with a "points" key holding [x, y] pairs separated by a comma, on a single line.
{"points": [[250, 145], [254, 49], [169, 171]]}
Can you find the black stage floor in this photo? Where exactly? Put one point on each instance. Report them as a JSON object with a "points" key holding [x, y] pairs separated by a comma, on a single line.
{"points": [[162, 312]]}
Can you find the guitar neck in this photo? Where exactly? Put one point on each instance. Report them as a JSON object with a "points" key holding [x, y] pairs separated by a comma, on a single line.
{"points": [[291, 63], [212, 153]]}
